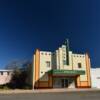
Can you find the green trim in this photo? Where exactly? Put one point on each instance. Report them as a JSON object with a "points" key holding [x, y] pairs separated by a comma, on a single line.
{"points": [[67, 72]]}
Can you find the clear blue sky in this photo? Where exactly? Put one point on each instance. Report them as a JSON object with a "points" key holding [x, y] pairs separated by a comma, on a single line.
{"points": [[29, 24]]}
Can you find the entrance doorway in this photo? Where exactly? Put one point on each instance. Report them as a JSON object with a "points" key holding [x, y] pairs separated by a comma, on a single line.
{"points": [[71, 83], [68, 83], [64, 83]]}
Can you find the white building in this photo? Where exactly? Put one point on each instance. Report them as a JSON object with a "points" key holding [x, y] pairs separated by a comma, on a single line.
{"points": [[95, 77], [5, 76]]}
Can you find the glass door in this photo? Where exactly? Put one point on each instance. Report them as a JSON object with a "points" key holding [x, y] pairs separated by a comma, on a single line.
{"points": [[64, 83]]}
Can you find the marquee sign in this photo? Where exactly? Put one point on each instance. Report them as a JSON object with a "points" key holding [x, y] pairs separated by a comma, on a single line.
{"points": [[67, 72]]}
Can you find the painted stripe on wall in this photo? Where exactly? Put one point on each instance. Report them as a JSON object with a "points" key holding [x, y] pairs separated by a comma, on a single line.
{"points": [[37, 66], [50, 81], [33, 70], [88, 69]]}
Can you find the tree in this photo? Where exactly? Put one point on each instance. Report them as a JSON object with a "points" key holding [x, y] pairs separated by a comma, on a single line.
{"points": [[20, 73], [18, 64]]}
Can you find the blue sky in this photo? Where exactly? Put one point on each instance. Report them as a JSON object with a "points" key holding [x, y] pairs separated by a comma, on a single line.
{"points": [[29, 24]]}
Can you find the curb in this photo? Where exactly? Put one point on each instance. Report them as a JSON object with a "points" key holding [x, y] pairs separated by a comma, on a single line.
{"points": [[47, 91]]}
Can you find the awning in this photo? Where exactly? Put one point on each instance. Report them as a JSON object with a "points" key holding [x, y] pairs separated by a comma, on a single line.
{"points": [[66, 72]]}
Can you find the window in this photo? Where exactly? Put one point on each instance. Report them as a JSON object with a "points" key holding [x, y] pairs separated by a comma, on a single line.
{"points": [[47, 63], [79, 65], [98, 77], [1, 73]]}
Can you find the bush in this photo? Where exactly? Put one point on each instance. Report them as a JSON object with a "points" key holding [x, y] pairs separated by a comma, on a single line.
{"points": [[1, 86], [5, 87], [27, 86]]}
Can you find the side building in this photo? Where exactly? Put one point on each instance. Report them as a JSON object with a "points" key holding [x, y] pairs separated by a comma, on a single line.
{"points": [[61, 69], [95, 77], [5, 76]]}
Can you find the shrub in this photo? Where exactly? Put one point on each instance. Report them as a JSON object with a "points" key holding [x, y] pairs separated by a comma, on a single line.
{"points": [[6, 87], [1, 86], [27, 86]]}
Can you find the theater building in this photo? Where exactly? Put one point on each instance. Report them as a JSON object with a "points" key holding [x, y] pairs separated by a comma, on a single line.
{"points": [[61, 69]]}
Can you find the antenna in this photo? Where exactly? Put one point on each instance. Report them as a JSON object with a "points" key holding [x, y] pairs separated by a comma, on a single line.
{"points": [[67, 44], [67, 51]]}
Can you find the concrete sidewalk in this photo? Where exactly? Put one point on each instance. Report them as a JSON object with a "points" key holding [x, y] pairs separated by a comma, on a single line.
{"points": [[63, 90], [45, 91]]}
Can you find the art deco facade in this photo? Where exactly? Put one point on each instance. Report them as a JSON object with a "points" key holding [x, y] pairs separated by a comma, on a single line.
{"points": [[61, 69]]}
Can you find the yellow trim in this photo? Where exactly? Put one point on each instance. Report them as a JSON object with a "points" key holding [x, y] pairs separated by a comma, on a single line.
{"points": [[88, 67]]}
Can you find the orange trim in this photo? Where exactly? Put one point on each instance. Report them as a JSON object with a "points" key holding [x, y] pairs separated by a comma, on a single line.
{"points": [[83, 87], [85, 83], [43, 84], [50, 81], [86, 66], [72, 62], [37, 65], [88, 69], [78, 81], [43, 81], [89, 72], [33, 83]]}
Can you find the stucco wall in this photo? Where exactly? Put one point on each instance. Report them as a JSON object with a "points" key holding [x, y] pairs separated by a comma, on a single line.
{"points": [[5, 78], [79, 58], [95, 77], [44, 57]]}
